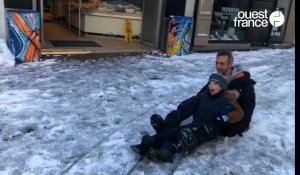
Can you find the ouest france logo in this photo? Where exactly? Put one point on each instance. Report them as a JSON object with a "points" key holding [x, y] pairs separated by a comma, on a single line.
{"points": [[258, 19]]}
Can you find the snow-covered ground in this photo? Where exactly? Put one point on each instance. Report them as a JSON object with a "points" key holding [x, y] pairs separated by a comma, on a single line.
{"points": [[6, 57], [79, 117]]}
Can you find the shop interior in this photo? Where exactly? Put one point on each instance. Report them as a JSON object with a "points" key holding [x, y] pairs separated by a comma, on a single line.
{"points": [[100, 27], [101, 22]]}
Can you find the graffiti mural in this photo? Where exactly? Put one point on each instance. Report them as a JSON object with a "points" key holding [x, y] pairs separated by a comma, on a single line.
{"points": [[24, 34], [179, 35]]}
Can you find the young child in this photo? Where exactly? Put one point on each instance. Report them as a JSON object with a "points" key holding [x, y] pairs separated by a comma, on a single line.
{"points": [[211, 110]]}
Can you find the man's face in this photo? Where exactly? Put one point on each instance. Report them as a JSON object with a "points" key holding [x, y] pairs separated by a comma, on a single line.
{"points": [[222, 65]]}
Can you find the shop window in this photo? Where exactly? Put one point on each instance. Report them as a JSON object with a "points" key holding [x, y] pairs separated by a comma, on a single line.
{"points": [[222, 24], [128, 6]]}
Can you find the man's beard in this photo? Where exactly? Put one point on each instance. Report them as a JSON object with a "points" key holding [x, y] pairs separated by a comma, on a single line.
{"points": [[222, 72]]}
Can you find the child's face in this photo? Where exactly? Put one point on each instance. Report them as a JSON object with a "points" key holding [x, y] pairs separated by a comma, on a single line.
{"points": [[214, 87]]}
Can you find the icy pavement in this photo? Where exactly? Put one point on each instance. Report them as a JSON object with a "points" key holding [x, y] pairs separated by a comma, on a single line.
{"points": [[79, 117]]}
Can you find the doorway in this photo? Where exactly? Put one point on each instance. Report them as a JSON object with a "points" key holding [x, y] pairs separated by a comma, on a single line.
{"points": [[61, 22]]}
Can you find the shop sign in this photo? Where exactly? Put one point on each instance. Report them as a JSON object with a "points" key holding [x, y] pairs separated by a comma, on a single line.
{"points": [[229, 11]]}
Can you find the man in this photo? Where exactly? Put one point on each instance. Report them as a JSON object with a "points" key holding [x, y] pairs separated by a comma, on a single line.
{"points": [[211, 110], [239, 80]]}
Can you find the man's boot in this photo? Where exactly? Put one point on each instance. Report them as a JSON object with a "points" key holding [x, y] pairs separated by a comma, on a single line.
{"points": [[162, 155], [157, 122], [147, 142]]}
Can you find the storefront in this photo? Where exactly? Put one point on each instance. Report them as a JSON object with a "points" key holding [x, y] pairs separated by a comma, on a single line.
{"points": [[222, 29], [216, 28], [97, 21], [213, 28], [102, 17]]}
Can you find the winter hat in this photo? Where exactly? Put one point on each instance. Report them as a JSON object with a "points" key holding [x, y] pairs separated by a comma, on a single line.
{"points": [[220, 79]]}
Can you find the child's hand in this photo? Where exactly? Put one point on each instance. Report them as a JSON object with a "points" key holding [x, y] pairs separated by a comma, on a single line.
{"points": [[223, 118]]}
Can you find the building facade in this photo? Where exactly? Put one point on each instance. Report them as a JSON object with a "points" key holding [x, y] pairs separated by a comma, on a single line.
{"points": [[2, 20], [289, 36], [216, 28]]}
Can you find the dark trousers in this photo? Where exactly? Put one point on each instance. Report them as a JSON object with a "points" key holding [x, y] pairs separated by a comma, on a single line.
{"points": [[170, 138]]}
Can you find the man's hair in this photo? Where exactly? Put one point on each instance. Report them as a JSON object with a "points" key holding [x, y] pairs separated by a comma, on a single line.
{"points": [[226, 53]]}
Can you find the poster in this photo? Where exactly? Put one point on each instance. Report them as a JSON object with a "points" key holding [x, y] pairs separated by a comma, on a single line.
{"points": [[179, 35], [24, 34]]}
